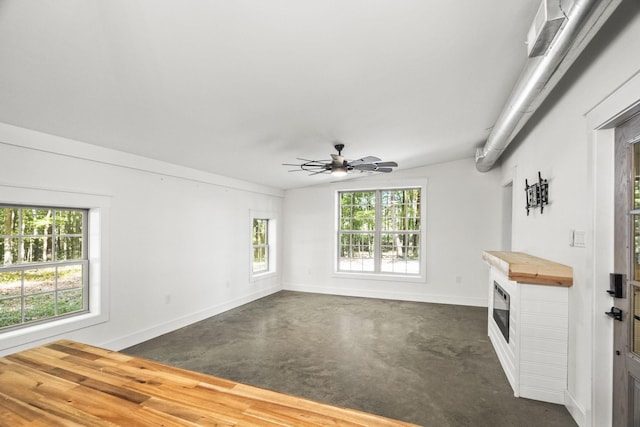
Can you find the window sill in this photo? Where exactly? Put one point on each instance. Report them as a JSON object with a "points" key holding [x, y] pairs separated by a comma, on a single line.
{"points": [[30, 334], [380, 276], [263, 276]]}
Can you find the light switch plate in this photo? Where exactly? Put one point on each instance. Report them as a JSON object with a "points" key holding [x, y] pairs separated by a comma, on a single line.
{"points": [[577, 239]]}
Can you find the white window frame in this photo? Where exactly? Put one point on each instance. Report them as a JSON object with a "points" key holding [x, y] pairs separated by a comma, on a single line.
{"points": [[21, 266], [264, 246], [272, 221], [98, 224], [387, 276]]}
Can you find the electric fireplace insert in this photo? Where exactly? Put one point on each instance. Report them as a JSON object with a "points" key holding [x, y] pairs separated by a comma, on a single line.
{"points": [[501, 309]]}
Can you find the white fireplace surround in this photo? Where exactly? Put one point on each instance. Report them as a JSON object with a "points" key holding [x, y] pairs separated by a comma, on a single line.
{"points": [[535, 358]]}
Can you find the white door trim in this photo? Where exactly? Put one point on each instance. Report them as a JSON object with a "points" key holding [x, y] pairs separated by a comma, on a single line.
{"points": [[600, 123]]}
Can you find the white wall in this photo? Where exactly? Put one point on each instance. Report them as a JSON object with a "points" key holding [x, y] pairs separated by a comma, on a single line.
{"points": [[201, 215], [463, 216], [179, 239], [559, 143]]}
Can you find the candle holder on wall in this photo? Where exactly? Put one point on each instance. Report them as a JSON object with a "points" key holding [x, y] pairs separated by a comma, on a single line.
{"points": [[537, 194]]}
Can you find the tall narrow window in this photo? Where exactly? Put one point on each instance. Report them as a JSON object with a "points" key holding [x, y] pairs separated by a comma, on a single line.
{"points": [[43, 264], [260, 245], [379, 231]]}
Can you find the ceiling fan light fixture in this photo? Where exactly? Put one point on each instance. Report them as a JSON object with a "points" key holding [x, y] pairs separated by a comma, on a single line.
{"points": [[339, 171]]}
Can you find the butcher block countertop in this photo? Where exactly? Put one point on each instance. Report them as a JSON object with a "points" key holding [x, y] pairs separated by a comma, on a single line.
{"points": [[66, 383], [524, 268]]}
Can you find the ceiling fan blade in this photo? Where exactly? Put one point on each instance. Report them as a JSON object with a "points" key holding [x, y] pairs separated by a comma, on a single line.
{"points": [[368, 159], [364, 166], [383, 164], [339, 164]]}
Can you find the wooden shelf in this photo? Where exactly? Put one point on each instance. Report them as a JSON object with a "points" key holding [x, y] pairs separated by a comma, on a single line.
{"points": [[524, 268]]}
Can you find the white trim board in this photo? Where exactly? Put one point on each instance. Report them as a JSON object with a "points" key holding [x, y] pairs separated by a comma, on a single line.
{"points": [[391, 295], [599, 123], [26, 138]]}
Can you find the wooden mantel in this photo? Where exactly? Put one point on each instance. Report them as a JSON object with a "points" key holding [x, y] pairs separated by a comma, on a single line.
{"points": [[524, 268]]}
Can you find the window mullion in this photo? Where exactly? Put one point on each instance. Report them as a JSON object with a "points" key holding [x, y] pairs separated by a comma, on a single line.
{"points": [[85, 283], [266, 244], [85, 241], [377, 245], [22, 302], [55, 287], [20, 238], [53, 237]]}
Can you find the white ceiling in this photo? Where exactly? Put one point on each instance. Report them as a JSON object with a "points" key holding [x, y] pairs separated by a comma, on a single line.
{"points": [[239, 87]]}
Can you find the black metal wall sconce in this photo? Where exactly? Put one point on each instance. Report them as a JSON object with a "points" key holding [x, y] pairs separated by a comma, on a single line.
{"points": [[537, 194]]}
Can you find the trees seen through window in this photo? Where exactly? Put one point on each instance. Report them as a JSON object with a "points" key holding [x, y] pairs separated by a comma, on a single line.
{"points": [[380, 231], [43, 264]]}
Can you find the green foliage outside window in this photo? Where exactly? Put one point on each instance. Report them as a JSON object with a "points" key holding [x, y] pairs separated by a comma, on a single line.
{"points": [[260, 240], [43, 264], [380, 227]]}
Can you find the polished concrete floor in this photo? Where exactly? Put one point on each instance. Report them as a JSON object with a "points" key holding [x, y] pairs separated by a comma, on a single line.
{"points": [[430, 364]]}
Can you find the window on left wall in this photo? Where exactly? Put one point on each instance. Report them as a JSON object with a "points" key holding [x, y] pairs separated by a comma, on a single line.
{"points": [[260, 239], [44, 264], [264, 245]]}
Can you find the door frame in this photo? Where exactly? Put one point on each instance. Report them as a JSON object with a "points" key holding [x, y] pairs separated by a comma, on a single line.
{"points": [[625, 366], [601, 122]]}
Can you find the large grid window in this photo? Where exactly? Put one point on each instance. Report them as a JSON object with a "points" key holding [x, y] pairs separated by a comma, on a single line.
{"points": [[379, 231], [43, 264], [260, 239]]}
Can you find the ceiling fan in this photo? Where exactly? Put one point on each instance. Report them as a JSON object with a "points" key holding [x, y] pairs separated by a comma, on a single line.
{"points": [[339, 166]]}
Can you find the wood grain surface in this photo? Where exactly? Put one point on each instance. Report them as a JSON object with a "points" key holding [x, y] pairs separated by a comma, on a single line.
{"points": [[524, 268], [66, 383]]}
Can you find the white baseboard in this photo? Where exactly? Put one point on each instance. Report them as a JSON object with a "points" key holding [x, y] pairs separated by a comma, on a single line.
{"points": [[366, 293], [149, 333], [577, 412]]}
